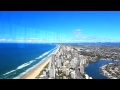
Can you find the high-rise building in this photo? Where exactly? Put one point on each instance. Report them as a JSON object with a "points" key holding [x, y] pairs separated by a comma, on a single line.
{"points": [[55, 63], [52, 72], [72, 63], [75, 61], [59, 63], [82, 69], [52, 67], [44, 73], [67, 71], [76, 54], [77, 70], [73, 75], [61, 52], [62, 59], [81, 60], [84, 60], [53, 59], [63, 68]]}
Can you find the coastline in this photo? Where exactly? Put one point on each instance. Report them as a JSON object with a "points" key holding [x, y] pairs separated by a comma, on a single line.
{"points": [[37, 69], [110, 70], [108, 59], [105, 73]]}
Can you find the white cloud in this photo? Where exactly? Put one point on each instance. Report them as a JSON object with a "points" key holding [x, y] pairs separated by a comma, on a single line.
{"points": [[33, 38], [20, 40], [78, 36], [2, 39], [9, 39], [77, 33]]}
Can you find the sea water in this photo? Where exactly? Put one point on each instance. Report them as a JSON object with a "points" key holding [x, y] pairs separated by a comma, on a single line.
{"points": [[18, 58]]}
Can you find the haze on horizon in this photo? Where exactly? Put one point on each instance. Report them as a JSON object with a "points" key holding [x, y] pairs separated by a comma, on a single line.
{"points": [[59, 26]]}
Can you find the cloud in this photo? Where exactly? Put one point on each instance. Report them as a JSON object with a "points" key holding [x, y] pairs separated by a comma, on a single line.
{"points": [[110, 40], [59, 37], [77, 33], [2, 39], [20, 40], [9, 39], [78, 36], [33, 38]]}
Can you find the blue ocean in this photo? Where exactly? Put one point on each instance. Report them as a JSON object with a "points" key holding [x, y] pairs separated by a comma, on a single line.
{"points": [[18, 58]]}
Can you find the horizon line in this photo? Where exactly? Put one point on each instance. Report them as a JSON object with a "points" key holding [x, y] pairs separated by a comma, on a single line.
{"points": [[58, 42]]}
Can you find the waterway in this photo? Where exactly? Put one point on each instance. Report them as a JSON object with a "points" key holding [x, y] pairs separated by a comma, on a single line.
{"points": [[93, 68]]}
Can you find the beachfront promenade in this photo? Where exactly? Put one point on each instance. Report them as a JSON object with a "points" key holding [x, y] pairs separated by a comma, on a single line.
{"points": [[35, 71]]}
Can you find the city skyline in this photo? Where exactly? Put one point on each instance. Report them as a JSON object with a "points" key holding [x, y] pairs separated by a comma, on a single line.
{"points": [[59, 26]]}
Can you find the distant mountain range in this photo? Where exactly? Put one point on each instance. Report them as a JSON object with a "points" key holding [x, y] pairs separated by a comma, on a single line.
{"points": [[95, 43]]}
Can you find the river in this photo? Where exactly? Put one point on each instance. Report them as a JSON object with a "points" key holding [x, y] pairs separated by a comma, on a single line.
{"points": [[93, 69]]}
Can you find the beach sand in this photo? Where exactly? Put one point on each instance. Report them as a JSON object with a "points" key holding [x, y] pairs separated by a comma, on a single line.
{"points": [[35, 71]]}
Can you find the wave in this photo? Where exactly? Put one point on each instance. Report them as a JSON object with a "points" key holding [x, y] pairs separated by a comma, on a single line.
{"points": [[9, 72], [31, 68], [44, 54], [22, 74], [20, 67], [37, 63], [25, 64]]}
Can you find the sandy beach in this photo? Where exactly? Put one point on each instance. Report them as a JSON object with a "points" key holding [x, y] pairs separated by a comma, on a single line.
{"points": [[35, 71]]}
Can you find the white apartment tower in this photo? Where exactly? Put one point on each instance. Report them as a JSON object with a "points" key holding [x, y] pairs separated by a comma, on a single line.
{"points": [[73, 75], [63, 68], [52, 67], [59, 63], [52, 72], [81, 65], [82, 69], [67, 71]]}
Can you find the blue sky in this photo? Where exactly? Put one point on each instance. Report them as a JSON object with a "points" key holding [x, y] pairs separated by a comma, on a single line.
{"points": [[59, 26]]}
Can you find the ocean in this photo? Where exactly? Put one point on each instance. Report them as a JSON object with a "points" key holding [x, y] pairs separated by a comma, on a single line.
{"points": [[18, 58]]}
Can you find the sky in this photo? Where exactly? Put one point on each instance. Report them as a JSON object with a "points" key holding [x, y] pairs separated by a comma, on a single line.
{"points": [[59, 26]]}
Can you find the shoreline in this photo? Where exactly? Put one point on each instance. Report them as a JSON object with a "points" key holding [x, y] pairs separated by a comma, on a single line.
{"points": [[109, 60], [105, 73], [37, 69]]}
